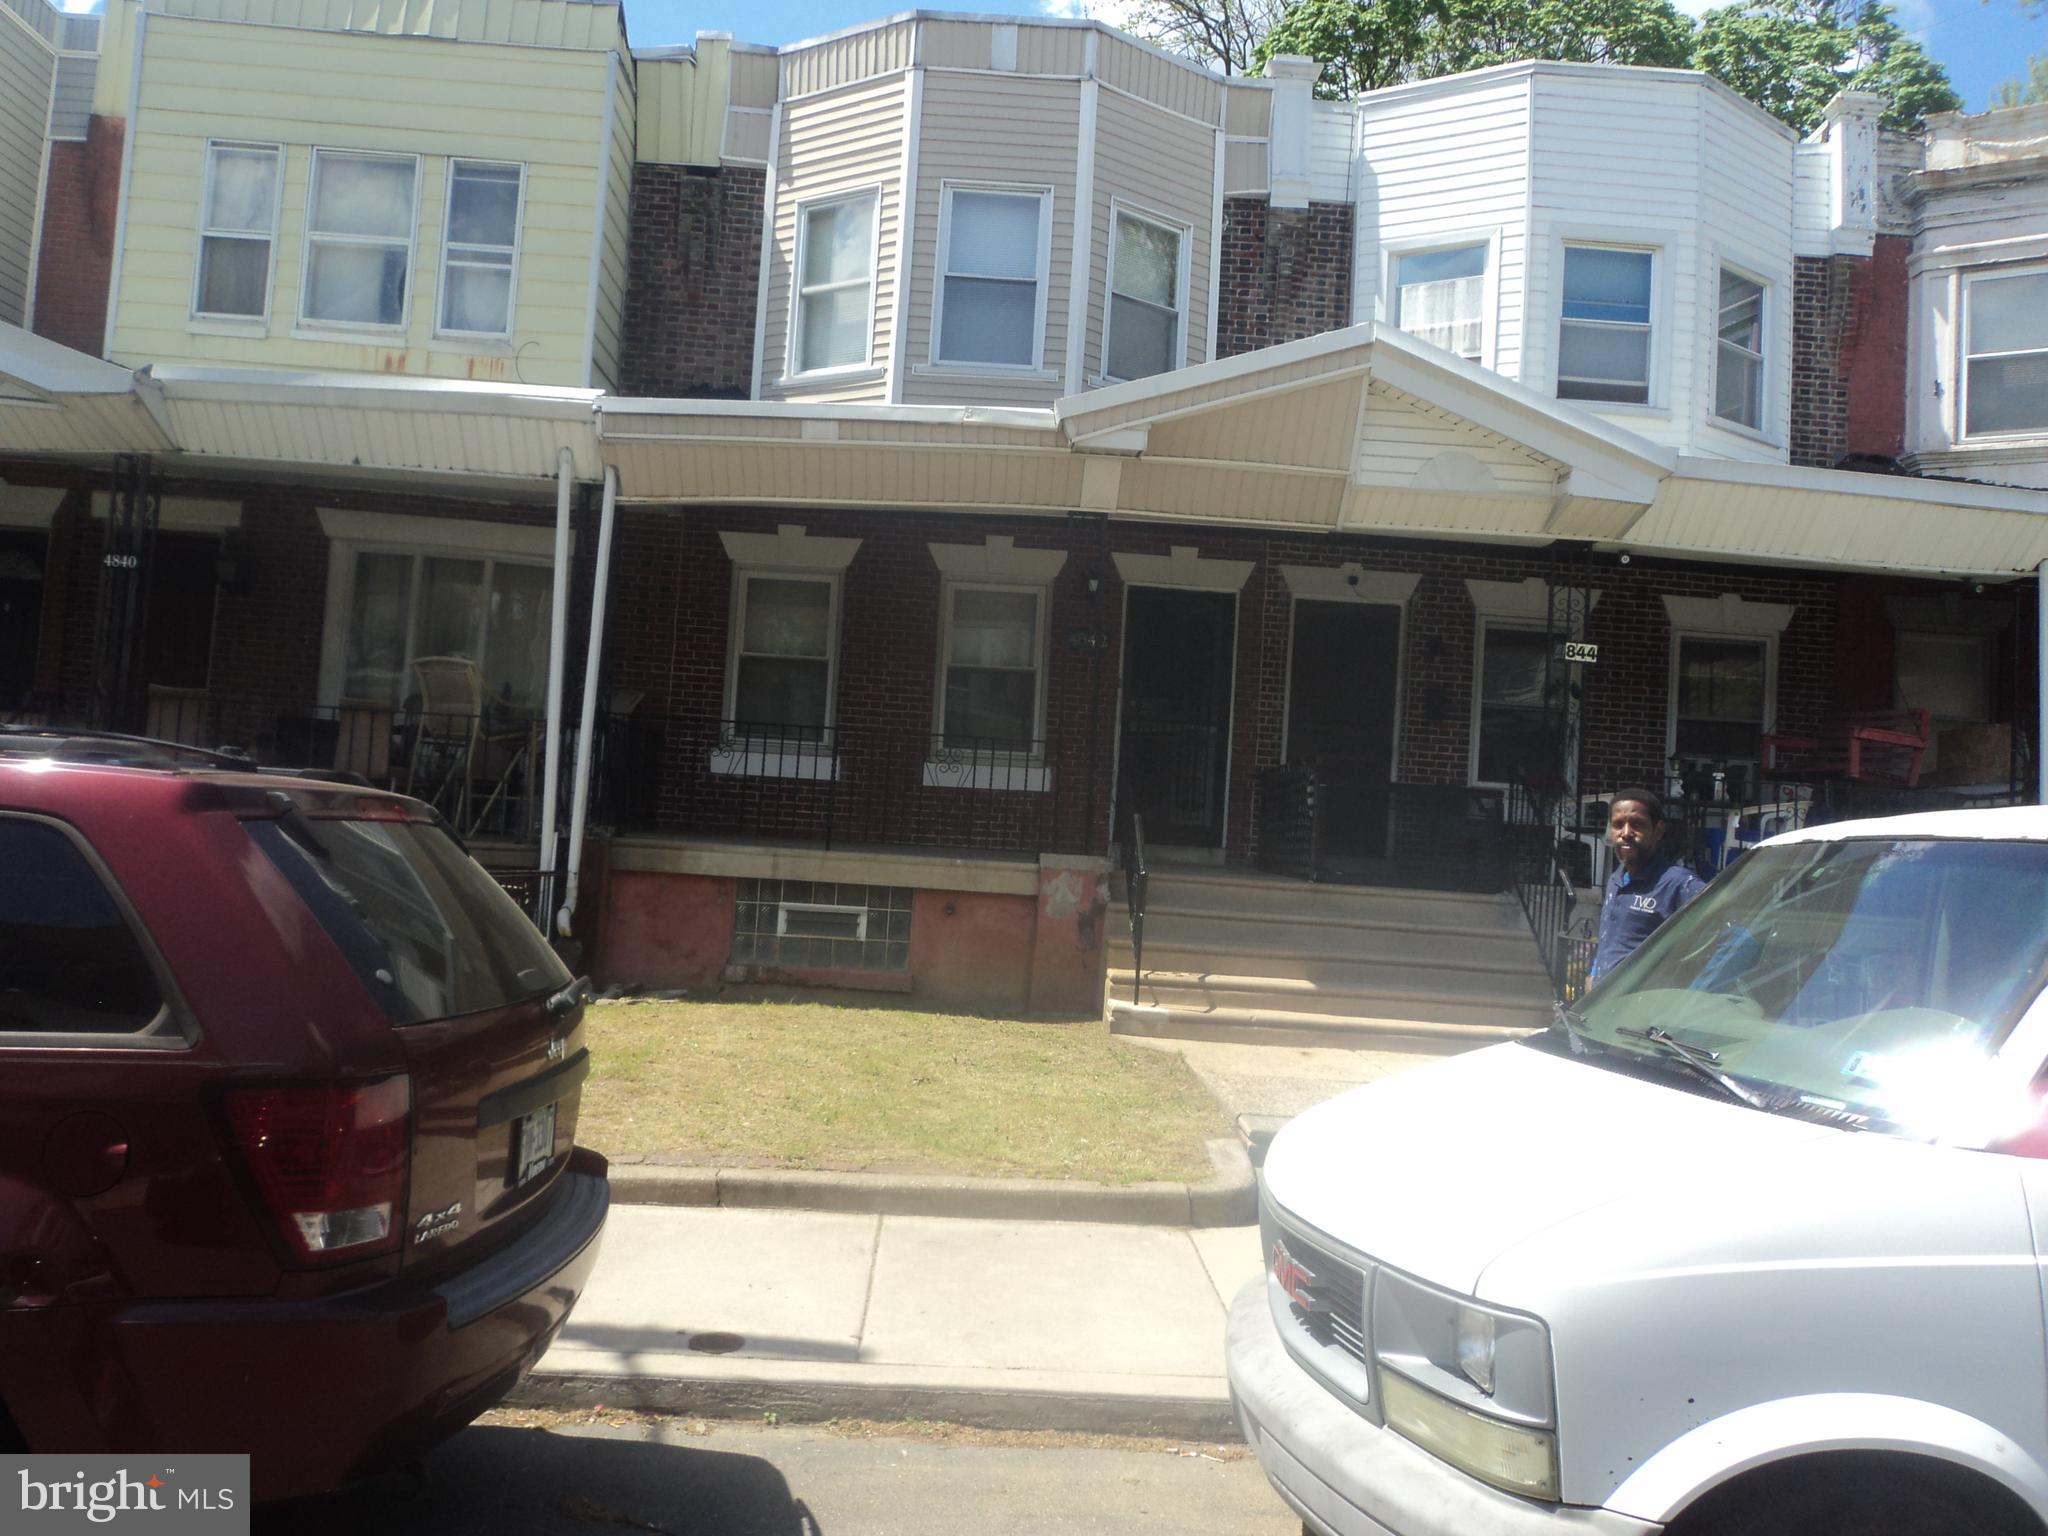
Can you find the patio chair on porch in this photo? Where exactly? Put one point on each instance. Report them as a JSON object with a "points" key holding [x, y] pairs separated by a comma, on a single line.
{"points": [[452, 744], [1874, 747]]}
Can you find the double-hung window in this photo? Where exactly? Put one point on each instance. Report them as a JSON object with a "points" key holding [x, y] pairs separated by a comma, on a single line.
{"points": [[236, 227], [992, 277], [1518, 673], [835, 297], [2005, 353], [785, 630], [1719, 712], [360, 215], [1437, 297], [1145, 285], [1739, 352], [406, 604], [994, 667], [1603, 343], [479, 250]]}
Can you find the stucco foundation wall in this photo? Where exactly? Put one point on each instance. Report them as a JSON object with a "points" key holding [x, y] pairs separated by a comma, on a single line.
{"points": [[664, 931]]}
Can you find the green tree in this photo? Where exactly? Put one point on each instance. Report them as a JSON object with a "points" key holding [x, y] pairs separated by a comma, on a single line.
{"points": [[1790, 57], [1366, 44], [2024, 92]]}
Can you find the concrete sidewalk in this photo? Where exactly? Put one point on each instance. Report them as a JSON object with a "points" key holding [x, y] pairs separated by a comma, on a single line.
{"points": [[812, 1315]]}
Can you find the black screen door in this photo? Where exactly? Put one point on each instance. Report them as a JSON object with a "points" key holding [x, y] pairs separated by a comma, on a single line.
{"points": [[1176, 731], [1342, 682]]}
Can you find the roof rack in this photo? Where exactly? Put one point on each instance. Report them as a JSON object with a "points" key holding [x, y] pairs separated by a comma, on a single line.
{"points": [[118, 747]]}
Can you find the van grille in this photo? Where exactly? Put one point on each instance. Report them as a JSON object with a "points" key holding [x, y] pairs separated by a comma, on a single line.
{"points": [[1328, 1293]]}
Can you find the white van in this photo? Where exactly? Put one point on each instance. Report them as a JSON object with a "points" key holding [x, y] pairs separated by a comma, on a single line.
{"points": [[1750, 1242]]}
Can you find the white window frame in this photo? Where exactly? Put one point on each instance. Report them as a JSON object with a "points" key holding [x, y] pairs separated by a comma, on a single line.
{"points": [[1767, 639], [309, 237], [256, 322], [859, 914], [1657, 397], [1964, 356], [1392, 252], [447, 223], [792, 363], [1182, 233], [793, 759], [352, 534], [1040, 666], [1767, 328], [1487, 623], [1036, 367]]}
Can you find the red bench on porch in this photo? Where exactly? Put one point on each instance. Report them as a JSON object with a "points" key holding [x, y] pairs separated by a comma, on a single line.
{"points": [[1878, 746]]}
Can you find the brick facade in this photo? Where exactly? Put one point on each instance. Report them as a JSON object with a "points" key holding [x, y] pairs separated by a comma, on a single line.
{"points": [[1285, 273], [693, 282], [75, 262], [1849, 355]]}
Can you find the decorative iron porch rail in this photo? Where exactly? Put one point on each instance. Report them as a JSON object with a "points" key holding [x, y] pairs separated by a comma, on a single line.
{"points": [[1290, 806]]}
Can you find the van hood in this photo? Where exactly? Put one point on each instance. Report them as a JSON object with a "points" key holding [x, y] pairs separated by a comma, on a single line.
{"points": [[1440, 1170]]}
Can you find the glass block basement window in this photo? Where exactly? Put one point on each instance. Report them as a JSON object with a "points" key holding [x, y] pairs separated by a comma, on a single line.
{"points": [[820, 925]]}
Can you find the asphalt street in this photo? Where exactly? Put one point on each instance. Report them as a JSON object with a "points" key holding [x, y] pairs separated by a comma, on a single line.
{"points": [[709, 1478]]}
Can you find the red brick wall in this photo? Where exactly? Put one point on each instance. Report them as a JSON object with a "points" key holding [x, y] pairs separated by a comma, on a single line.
{"points": [[1285, 273], [77, 253], [1849, 354], [692, 282]]}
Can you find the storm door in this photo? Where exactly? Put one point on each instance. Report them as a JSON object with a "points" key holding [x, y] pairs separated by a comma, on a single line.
{"points": [[1178, 650], [1343, 680]]}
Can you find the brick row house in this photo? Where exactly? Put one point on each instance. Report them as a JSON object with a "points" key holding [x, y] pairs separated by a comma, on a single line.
{"points": [[827, 505]]}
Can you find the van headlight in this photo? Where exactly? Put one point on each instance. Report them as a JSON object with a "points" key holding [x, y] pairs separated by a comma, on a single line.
{"points": [[1470, 1383]]}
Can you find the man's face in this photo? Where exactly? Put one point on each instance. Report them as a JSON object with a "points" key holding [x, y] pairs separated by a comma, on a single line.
{"points": [[1634, 835]]}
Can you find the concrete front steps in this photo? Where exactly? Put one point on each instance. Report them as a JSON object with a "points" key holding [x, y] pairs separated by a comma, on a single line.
{"points": [[1240, 956]]}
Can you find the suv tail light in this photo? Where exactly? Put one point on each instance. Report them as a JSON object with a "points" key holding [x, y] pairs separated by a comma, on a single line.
{"points": [[331, 1161]]}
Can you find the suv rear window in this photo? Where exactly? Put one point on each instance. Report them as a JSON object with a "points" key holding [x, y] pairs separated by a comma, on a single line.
{"points": [[430, 934], [69, 964]]}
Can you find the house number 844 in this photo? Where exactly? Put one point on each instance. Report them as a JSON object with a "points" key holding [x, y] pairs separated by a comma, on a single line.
{"points": [[1579, 650]]}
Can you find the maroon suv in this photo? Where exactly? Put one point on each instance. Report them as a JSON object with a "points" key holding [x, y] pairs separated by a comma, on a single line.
{"points": [[288, 1095]]}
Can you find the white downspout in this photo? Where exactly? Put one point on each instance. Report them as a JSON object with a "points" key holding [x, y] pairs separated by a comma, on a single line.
{"points": [[580, 800], [558, 638]]}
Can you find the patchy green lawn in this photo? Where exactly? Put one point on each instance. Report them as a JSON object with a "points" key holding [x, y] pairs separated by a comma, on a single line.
{"points": [[813, 1085]]}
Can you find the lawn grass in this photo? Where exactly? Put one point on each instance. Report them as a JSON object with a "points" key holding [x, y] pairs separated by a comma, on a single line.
{"points": [[812, 1085]]}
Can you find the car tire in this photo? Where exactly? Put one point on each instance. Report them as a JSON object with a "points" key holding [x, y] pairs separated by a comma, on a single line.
{"points": [[1859, 1496]]}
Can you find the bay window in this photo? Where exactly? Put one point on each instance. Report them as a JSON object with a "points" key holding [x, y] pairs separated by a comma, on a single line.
{"points": [[479, 250], [360, 217], [1603, 343], [1437, 297], [1144, 321], [238, 221], [835, 297], [2005, 353], [992, 277]]}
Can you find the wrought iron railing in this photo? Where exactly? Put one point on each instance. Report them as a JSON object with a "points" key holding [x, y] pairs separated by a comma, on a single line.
{"points": [[1137, 876], [871, 784], [480, 771], [1541, 842], [1289, 806]]}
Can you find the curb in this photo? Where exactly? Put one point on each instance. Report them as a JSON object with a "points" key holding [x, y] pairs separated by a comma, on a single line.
{"points": [[1230, 1199], [1190, 1417]]}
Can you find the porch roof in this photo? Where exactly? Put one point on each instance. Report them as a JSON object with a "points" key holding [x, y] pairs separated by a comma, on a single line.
{"points": [[1362, 430]]}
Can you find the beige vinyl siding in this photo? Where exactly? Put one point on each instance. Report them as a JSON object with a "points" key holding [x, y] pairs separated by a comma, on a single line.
{"points": [[838, 143], [957, 45], [1037, 147], [544, 108], [39, 17], [756, 76], [72, 113], [1400, 437], [863, 55], [1163, 166], [682, 105], [1247, 168], [117, 59], [579, 24], [617, 238], [28, 71], [1448, 163], [1164, 82], [1052, 50], [1248, 111]]}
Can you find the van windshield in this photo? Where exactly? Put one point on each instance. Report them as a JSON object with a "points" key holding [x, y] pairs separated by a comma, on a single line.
{"points": [[1871, 977], [430, 934]]}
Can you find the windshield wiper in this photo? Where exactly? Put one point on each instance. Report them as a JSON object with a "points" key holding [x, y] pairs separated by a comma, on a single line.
{"points": [[1576, 1035], [1704, 1063]]}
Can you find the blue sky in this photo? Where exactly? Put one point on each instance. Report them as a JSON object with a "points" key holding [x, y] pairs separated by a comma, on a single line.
{"points": [[1981, 41]]}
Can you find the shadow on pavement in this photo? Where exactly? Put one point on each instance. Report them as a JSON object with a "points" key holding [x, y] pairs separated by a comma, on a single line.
{"points": [[497, 1481]]}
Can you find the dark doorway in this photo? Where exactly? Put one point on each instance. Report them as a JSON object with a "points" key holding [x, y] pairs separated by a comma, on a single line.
{"points": [[21, 614], [1343, 679], [177, 646], [1176, 732]]}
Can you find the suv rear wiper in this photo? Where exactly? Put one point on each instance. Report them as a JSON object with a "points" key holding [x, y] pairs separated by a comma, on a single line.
{"points": [[1704, 1063]]}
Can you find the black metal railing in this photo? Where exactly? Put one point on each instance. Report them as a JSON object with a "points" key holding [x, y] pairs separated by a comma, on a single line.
{"points": [[1536, 827], [480, 771], [1137, 876], [1289, 807], [871, 784]]}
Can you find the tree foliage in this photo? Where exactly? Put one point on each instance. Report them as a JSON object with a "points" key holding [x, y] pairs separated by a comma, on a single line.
{"points": [[2026, 90], [1223, 34], [1790, 57]]}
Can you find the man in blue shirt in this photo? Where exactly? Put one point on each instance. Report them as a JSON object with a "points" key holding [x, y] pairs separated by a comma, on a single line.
{"points": [[1647, 888]]}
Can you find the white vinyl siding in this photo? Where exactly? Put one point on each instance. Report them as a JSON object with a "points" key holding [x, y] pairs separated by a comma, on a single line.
{"points": [[237, 231], [2005, 353], [1038, 148], [837, 145]]}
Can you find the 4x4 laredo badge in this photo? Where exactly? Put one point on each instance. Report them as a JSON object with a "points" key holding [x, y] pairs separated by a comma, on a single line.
{"points": [[434, 1223]]}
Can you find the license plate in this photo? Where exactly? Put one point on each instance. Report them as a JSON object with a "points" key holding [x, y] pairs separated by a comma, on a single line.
{"points": [[533, 1145]]}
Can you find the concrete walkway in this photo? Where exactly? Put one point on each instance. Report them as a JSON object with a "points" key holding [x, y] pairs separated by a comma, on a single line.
{"points": [[811, 1315]]}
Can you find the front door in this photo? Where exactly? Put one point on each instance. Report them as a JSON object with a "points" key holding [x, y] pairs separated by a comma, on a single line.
{"points": [[21, 614], [1342, 681], [1176, 731]]}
